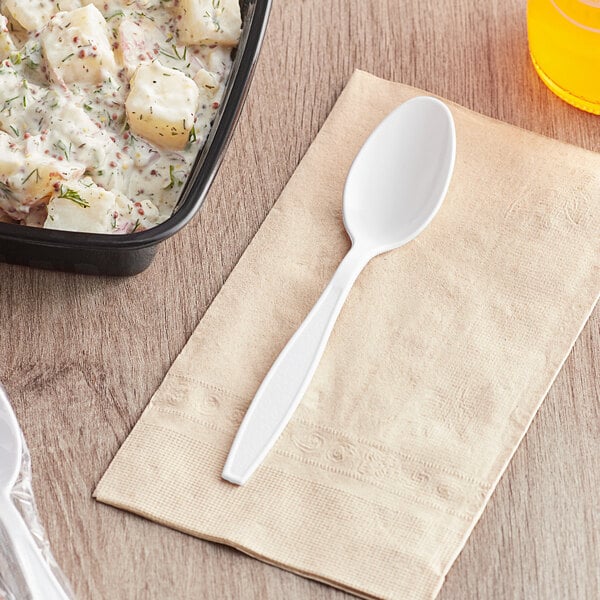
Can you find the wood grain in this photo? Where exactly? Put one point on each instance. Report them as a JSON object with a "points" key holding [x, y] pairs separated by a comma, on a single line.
{"points": [[82, 356]]}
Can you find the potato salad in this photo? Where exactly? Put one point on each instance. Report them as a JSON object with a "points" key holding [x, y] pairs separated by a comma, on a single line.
{"points": [[104, 106]]}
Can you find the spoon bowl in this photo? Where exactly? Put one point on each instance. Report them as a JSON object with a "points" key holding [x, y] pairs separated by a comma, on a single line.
{"points": [[400, 177], [394, 188]]}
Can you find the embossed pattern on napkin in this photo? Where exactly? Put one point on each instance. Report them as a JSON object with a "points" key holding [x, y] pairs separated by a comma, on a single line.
{"points": [[439, 361]]}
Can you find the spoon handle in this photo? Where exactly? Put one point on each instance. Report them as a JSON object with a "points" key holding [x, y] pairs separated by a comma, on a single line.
{"points": [[38, 576], [285, 384]]}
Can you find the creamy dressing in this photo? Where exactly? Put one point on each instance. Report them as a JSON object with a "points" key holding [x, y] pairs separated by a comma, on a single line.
{"points": [[103, 109]]}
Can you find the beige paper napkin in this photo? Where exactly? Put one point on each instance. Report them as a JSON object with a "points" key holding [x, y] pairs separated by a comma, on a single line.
{"points": [[434, 371]]}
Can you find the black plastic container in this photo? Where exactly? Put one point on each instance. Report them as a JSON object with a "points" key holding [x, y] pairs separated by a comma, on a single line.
{"points": [[130, 254]]}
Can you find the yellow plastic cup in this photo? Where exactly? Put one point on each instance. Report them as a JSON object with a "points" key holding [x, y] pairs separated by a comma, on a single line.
{"points": [[564, 43]]}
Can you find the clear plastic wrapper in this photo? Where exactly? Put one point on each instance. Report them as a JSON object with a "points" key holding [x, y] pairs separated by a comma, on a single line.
{"points": [[28, 571]]}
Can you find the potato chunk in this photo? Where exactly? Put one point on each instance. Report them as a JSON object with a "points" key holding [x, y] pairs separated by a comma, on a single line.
{"points": [[18, 102], [209, 22], [32, 15], [79, 206], [29, 179], [208, 85], [84, 206], [77, 47], [38, 177], [137, 42], [7, 46], [162, 105], [10, 157]]}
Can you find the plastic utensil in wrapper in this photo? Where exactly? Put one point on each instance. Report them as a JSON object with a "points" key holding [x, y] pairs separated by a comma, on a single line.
{"points": [[28, 570]]}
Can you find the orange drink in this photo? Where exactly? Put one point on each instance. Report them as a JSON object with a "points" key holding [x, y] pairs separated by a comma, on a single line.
{"points": [[564, 42]]}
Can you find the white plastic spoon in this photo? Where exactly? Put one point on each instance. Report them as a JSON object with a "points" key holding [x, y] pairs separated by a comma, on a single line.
{"points": [[39, 578], [394, 188]]}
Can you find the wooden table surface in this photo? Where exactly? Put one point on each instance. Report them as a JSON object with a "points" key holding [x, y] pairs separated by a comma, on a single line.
{"points": [[81, 356]]}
